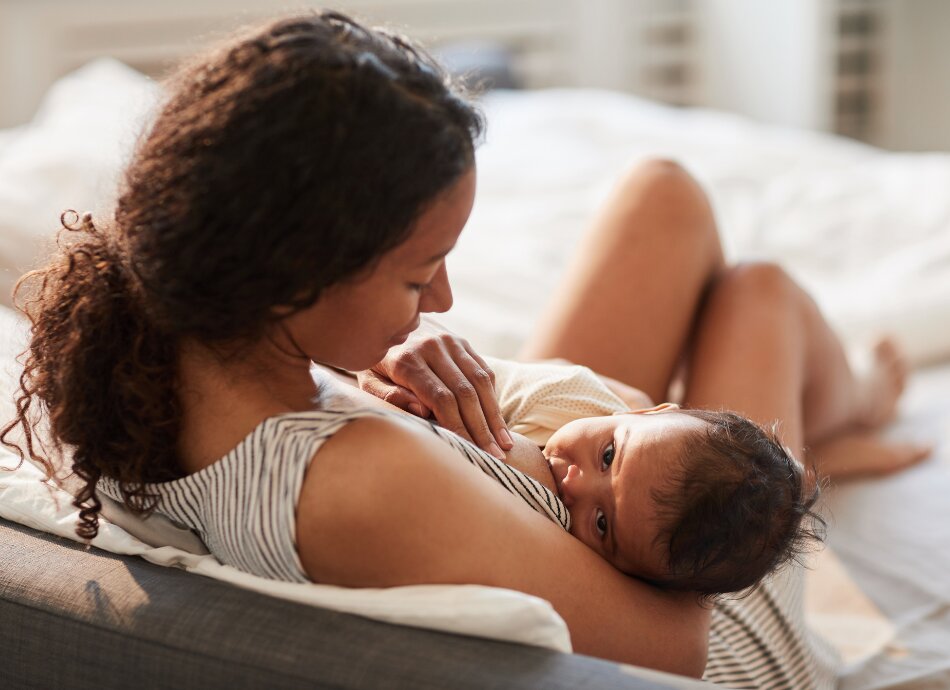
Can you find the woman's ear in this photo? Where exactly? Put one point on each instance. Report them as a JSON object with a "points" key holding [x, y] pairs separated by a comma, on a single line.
{"points": [[662, 407]]}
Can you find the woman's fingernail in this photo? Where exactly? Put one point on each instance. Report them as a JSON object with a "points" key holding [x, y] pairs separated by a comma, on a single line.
{"points": [[505, 439], [496, 451], [416, 409]]}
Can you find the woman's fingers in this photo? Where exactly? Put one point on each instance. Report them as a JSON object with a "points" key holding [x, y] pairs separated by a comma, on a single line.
{"points": [[470, 398], [384, 389], [484, 378], [447, 380]]}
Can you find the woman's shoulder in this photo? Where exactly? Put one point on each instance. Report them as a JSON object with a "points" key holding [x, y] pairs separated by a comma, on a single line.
{"points": [[281, 438], [367, 429], [367, 488], [363, 484], [294, 438], [402, 511]]}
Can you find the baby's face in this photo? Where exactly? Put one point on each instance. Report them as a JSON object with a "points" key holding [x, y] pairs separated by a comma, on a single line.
{"points": [[605, 469]]}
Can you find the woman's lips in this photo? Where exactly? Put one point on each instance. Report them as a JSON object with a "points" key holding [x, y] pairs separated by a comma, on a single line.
{"points": [[403, 335]]}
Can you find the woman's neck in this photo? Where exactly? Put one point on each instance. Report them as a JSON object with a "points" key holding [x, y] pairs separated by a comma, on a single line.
{"points": [[224, 398]]}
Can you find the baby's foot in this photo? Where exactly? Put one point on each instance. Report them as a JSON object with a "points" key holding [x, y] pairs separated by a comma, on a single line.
{"points": [[881, 384], [864, 453]]}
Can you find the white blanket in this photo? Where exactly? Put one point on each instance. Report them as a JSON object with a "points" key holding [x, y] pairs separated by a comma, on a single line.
{"points": [[867, 232]]}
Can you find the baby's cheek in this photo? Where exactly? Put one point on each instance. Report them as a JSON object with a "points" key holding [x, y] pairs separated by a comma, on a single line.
{"points": [[576, 533]]}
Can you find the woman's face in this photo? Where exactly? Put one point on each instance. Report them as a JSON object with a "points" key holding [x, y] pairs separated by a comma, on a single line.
{"points": [[355, 322]]}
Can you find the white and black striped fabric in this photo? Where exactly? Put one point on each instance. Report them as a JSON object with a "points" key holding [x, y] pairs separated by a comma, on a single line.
{"points": [[243, 506], [761, 641]]}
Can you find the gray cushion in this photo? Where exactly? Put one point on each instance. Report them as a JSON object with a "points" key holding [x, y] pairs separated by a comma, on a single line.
{"points": [[83, 618]]}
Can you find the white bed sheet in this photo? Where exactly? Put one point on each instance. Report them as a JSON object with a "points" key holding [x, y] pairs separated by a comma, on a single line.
{"points": [[893, 537]]}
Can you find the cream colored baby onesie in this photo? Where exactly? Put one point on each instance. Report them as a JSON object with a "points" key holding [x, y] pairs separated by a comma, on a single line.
{"points": [[536, 399]]}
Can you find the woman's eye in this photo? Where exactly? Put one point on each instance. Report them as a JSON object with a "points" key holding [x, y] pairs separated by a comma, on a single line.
{"points": [[601, 523], [608, 456], [418, 287]]}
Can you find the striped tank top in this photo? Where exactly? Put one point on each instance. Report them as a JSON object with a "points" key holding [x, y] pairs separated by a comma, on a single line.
{"points": [[243, 506], [762, 642]]}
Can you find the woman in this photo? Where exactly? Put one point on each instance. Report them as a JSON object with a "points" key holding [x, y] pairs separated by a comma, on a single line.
{"points": [[293, 203]]}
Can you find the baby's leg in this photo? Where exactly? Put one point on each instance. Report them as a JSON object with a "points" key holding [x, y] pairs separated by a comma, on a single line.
{"points": [[627, 304], [763, 349]]}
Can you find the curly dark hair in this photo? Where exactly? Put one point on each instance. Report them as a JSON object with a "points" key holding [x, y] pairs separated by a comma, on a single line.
{"points": [[280, 163], [736, 509]]}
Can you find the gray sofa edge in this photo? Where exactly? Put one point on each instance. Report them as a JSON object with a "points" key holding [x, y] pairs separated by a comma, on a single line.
{"points": [[84, 618]]}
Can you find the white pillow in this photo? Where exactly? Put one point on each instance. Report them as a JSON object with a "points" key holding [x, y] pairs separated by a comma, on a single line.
{"points": [[13, 338], [67, 157]]}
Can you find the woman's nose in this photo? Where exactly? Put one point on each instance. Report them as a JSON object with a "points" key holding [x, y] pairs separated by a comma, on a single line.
{"points": [[437, 297]]}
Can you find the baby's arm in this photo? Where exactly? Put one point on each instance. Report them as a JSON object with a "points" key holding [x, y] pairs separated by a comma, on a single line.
{"points": [[634, 398]]}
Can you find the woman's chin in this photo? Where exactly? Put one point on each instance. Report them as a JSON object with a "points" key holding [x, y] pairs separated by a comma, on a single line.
{"points": [[397, 339]]}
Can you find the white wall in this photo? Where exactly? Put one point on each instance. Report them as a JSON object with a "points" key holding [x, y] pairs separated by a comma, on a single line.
{"points": [[915, 94], [769, 59]]}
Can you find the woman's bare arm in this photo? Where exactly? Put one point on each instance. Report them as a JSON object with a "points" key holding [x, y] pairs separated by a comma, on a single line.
{"points": [[385, 503]]}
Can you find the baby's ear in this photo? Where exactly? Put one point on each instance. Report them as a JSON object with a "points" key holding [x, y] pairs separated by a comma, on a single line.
{"points": [[662, 407]]}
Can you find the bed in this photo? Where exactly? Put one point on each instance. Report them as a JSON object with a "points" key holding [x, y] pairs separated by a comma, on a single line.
{"points": [[867, 231]]}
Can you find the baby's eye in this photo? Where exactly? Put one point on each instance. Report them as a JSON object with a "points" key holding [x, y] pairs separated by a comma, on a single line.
{"points": [[601, 523], [608, 456]]}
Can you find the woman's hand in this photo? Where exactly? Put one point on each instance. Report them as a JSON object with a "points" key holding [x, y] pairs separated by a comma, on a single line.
{"points": [[437, 374]]}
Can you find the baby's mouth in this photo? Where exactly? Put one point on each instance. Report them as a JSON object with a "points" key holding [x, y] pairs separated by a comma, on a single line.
{"points": [[558, 471]]}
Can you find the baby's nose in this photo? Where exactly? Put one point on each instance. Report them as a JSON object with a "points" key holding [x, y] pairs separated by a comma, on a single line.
{"points": [[570, 485]]}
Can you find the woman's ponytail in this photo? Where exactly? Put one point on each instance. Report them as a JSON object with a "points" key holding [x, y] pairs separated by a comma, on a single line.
{"points": [[97, 371], [283, 162]]}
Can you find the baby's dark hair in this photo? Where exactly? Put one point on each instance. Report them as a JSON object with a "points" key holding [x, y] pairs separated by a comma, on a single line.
{"points": [[737, 509]]}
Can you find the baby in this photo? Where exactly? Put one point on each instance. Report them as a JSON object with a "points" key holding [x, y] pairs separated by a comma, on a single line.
{"points": [[686, 499]]}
